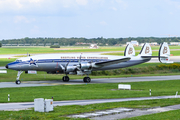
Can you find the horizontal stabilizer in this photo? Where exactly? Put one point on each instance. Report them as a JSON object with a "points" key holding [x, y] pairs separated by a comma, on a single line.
{"points": [[111, 62], [149, 56], [154, 56]]}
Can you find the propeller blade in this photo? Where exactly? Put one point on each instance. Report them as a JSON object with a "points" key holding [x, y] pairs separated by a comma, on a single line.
{"points": [[66, 66], [62, 67], [80, 60]]}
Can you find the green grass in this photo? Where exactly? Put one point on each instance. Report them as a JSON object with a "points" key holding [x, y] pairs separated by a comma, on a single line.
{"points": [[69, 49], [4, 61], [90, 91], [37, 50], [61, 112]]}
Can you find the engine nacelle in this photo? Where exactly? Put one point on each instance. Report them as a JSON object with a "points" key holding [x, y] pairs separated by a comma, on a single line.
{"points": [[86, 66], [84, 72], [70, 69]]}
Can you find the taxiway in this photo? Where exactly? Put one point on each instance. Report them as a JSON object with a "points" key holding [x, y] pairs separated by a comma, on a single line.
{"points": [[26, 105], [79, 81]]}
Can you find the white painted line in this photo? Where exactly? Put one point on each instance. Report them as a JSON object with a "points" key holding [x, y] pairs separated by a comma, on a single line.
{"points": [[3, 71]]}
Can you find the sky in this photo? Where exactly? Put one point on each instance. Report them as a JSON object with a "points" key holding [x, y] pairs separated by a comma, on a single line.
{"points": [[89, 18]]}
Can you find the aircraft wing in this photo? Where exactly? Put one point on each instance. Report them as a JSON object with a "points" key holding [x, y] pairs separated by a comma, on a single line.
{"points": [[111, 62]]}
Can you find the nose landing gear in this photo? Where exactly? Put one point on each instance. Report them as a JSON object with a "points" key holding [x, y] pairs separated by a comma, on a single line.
{"points": [[18, 76]]}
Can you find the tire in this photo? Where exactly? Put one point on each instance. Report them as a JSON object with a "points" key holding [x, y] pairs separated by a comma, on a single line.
{"points": [[84, 79], [87, 79], [18, 82], [65, 79]]}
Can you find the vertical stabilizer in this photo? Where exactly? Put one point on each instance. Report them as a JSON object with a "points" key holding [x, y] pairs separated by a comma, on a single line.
{"points": [[129, 51], [164, 53], [146, 50]]}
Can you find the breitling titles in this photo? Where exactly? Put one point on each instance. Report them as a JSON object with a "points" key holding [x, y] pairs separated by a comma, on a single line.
{"points": [[68, 57]]}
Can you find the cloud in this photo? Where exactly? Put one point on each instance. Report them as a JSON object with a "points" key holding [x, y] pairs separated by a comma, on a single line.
{"points": [[82, 2], [174, 3], [103, 23], [122, 3], [20, 19], [114, 8]]}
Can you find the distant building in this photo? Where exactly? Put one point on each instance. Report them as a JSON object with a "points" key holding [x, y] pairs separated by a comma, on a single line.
{"points": [[27, 44], [141, 44], [8, 44], [40, 44], [48, 44], [81, 43], [153, 44], [134, 43], [20, 44], [34, 44], [13, 44], [56, 43], [174, 43], [93, 46]]}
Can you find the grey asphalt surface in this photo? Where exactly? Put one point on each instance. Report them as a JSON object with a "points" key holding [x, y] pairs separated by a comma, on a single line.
{"points": [[137, 112], [79, 81], [26, 105]]}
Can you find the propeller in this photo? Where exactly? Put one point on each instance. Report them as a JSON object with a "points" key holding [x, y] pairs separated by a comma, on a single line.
{"points": [[79, 66], [64, 68]]}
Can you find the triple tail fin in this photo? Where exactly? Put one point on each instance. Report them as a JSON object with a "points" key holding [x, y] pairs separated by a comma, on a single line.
{"points": [[146, 51], [164, 53], [129, 51]]}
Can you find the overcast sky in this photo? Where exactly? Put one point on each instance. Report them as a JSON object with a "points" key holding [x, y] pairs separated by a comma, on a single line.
{"points": [[89, 18]]}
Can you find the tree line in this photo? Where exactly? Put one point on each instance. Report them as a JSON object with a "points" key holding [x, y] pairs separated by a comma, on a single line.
{"points": [[84, 41]]}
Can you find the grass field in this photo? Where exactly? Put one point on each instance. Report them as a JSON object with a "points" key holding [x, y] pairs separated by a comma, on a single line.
{"points": [[60, 112], [37, 50], [4, 61], [69, 49], [95, 91], [90, 91]]}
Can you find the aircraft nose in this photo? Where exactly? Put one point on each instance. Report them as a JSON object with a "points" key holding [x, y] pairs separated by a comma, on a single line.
{"points": [[6, 66]]}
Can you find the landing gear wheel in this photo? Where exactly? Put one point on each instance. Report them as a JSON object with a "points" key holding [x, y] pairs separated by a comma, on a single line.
{"points": [[87, 79], [18, 82], [65, 79]]}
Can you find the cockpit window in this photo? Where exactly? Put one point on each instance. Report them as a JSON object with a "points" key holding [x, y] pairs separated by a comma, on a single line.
{"points": [[18, 60]]}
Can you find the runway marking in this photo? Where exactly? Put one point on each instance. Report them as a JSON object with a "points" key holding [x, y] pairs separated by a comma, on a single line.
{"points": [[55, 84]]}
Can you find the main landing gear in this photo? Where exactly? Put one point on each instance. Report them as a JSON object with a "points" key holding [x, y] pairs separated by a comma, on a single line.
{"points": [[18, 76], [65, 78], [85, 79]]}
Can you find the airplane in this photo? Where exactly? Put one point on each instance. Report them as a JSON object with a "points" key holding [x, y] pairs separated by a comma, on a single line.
{"points": [[85, 64]]}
